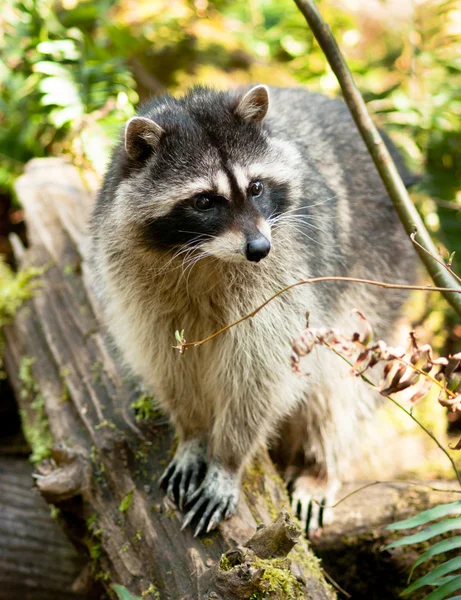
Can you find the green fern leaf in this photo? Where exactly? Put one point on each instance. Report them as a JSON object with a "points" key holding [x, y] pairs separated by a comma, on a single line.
{"points": [[433, 576], [428, 533], [424, 517], [442, 592], [443, 546]]}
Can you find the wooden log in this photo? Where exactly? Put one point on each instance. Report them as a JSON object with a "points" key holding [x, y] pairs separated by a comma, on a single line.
{"points": [[37, 561], [104, 468]]}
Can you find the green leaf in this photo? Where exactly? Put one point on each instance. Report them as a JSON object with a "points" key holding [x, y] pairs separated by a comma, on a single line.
{"points": [[428, 515], [442, 592], [443, 546], [123, 593], [179, 336], [59, 48], [48, 67], [61, 92], [126, 502], [432, 577], [428, 533]]}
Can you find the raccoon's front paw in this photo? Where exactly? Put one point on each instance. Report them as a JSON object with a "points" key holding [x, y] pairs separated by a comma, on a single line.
{"points": [[311, 502], [216, 499], [185, 472]]}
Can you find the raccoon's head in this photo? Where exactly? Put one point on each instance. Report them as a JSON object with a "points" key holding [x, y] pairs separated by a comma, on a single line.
{"points": [[205, 173]]}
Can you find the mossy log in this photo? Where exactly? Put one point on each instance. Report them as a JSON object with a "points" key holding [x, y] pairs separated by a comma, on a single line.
{"points": [[101, 465]]}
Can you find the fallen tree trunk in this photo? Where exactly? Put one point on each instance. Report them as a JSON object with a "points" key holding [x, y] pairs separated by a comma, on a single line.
{"points": [[103, 465], [37, 561]]}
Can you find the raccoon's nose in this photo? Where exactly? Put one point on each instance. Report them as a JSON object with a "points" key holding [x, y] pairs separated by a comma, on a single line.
{"points": [[258, 248]]}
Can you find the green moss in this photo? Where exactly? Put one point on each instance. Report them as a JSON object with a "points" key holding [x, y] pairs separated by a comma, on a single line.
{"points": [[224, 563], [254, 485], [55, 512], [145, 408], [126, 502], [170, 513], [96, 372], [310, 564], [34, 422], [137, 536], [152, 593], [278, 578], [99, 467], [93, 542], [15, 289]]}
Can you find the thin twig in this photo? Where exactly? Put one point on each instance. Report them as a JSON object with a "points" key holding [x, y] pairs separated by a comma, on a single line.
{"points": [[395, 187], [390, 482], [441, 262], [392, 286], [335, 584]]}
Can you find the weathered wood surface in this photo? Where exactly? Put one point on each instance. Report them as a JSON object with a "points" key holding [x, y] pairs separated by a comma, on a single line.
{"points": [[37, 561], [105, 465]]}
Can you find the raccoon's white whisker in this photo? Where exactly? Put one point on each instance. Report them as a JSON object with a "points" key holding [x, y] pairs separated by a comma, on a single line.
{"points": [[302, 220], [199, 235], [190, 247]]}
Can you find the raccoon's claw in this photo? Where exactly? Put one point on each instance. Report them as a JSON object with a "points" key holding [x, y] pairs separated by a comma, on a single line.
{"points": [[185, 472], [313, 507], [216, 499]]}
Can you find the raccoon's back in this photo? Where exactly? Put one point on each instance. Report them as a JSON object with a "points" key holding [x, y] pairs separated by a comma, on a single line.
{"points": [[348, 224]]}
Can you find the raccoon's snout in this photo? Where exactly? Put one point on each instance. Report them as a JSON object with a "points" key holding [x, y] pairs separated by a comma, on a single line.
{"points": [[257, 248]]}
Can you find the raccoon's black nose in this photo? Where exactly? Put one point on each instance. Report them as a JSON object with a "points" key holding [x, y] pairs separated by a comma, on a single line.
{"points": [[258, 248]]}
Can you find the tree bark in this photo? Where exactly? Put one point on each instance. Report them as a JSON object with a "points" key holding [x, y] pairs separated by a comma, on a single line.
{"points": [[37, 561], [104, 466]]}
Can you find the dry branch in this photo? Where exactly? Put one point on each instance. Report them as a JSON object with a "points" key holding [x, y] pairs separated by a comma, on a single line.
{"points": [[104, 468]]}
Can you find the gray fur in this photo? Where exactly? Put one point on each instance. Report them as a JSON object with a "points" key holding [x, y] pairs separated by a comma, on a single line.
{"points": [[237, 392]]}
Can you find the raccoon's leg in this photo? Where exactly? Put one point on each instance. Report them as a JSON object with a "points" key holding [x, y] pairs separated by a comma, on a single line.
{"points": [[190, 418], [312, 496], [241, 424], [300, 452]]}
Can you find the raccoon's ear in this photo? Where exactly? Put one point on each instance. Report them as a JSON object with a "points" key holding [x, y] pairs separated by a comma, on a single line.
{"points": [[141, 137], [253, 106]]}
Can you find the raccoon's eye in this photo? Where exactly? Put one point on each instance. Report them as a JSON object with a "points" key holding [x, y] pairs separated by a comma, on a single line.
{"points": [[203, 202], [256, 189]]}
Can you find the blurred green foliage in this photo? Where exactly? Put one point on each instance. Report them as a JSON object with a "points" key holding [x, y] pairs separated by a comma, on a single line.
{"points": [[74, 70]]}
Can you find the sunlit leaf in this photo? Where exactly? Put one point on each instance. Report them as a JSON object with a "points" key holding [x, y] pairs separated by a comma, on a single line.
{"points": [[59, 49], [442, 592], [442, 510], [432, 577], [443, 546], [428, 533]]}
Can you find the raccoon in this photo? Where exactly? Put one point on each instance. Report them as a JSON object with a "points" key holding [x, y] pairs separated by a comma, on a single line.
{"points": [[211, 203]]}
